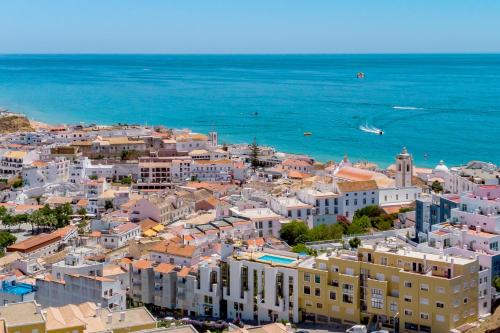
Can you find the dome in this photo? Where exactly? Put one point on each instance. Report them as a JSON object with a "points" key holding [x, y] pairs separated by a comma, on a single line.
{"points": [[441, 167]]}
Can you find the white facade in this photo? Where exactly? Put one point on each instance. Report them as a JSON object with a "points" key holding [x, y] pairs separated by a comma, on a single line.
{"points": [[76, 289], [404, 169], [276, 295], [291, 207]]}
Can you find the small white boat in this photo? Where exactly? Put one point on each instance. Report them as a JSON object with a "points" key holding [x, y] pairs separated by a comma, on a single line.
{"points": [[370, 129]]}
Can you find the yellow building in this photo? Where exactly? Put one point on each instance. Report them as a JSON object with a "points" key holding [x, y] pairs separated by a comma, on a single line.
{"points": [[387, 284], [28, 317]]}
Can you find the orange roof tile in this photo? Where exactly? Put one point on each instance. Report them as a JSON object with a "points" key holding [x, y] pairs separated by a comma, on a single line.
{"points": [[164, 268]]}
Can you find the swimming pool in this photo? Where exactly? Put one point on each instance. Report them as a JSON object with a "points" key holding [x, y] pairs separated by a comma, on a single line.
{"points": [[276, 259], [19, 289]]}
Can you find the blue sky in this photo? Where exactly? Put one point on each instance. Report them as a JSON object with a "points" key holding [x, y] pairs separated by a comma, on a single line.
{"points": [[253, 26]]}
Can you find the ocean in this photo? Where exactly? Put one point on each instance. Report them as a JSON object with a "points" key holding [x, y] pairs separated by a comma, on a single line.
{"points": [[438, 106]]}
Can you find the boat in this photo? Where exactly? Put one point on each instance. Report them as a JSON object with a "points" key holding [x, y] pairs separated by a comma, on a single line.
{"points": [[371, 129], [360, 75], [307, 134]]}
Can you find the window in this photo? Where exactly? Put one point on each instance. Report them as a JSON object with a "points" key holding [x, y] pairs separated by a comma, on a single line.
{"points": [[347, 202], [466, 300], [440, 305], [424, 287], [407, 284], [319, 305], [307, 290], [424, 301], [377, 303], [408, 312], [376, 292], [407, 298], [317, 292], [383, 261], [394, 307], [440, 318], [307, 277], [347, 298], [424, 315], [333, 295], [317, 278]]}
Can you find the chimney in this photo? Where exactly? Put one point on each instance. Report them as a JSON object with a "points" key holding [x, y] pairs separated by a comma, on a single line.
{"points": [[38, 308], [98, 310], [110, 318], [478, 229], [122, 316]]}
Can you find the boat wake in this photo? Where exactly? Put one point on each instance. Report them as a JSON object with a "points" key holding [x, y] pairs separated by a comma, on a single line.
{"points": [[370, 129], [406, 108]]}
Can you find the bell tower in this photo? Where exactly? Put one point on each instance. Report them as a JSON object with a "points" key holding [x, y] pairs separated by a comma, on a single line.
{"points": [[404, 169]]}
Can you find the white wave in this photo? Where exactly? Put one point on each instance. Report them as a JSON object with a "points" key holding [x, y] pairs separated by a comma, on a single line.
{"points": [[370, 129], [406, 108]]}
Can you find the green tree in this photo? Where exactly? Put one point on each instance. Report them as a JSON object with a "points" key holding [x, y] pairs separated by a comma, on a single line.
{"points": [[108, 204], [6, 239], [126, 180], [18, 183], [3, 212], [82, 225], [496, 283], [302, 248], [436, 187], [254, 154], [359, 225], [62, 214], [370, 211], [354, 242], [42, 220], [292, 230]]}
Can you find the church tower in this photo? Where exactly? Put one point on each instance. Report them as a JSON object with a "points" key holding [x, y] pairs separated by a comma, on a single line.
{"points": [[404, 169], [213, 139]]}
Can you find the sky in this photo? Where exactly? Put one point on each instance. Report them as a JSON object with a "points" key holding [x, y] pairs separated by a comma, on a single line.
{"points": [[253, 26]]}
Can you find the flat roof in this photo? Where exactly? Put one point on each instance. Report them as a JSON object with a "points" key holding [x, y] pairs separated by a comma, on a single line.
{"points": [[15, 314]]}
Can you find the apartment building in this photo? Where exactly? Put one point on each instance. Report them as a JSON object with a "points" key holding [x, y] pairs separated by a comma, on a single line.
{"points": [[355, 195], [266, 222], [261, 286], [325, 202], [76, 289], [154, 175], [13, 161], [392, 286], [120, 235], [163, 207], [212, 170], [291, 207]]}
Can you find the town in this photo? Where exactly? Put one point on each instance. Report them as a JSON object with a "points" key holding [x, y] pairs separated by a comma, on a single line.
{"points": [[128, 228]]}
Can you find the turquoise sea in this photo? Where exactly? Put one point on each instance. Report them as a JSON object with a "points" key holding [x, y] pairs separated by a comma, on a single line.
{"points": [[445, 106]]}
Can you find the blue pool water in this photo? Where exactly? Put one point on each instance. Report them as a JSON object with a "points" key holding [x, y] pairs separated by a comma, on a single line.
{"points": [[19, 289], [441, 106], [276, 259]]}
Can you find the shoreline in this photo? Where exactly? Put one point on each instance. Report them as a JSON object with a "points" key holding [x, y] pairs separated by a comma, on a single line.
{"points": [[380, 165]]}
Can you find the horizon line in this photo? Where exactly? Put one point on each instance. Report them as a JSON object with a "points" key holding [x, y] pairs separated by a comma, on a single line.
{"points": [[251, 53]]}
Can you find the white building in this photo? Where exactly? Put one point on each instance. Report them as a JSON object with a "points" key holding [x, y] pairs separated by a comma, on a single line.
{"points": [[12, 162], [257, 290], [355, 195], [291, 207], [120, 235], [266, 222], [76, 289]]}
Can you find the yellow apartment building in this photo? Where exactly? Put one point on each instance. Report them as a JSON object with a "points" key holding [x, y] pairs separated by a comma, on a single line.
{"points": [[388, 284]]}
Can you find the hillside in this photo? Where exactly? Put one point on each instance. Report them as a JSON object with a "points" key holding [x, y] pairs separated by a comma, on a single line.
{"points": [[14, 123]]}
